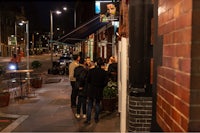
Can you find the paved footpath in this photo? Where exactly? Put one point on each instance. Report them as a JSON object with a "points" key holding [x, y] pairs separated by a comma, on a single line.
{"points": [[50, 111]]}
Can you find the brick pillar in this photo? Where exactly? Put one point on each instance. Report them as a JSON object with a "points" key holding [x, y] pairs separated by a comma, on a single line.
{"points": [[140, 113], [136, 40], [140, 106]]}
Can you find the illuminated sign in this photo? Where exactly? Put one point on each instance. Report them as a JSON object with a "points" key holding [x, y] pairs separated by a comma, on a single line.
{"points": [[12, 40], [98, 5], [109, 11]]}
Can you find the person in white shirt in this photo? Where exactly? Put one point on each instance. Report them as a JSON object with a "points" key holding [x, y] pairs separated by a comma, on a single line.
{"points": [[72, 79]]}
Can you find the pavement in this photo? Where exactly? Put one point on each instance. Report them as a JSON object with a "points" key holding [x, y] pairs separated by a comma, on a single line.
{"points": [[49, 111]]}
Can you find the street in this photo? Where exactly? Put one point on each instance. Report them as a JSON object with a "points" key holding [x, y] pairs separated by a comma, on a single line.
{"points": [[45, 59], [50, 110]]}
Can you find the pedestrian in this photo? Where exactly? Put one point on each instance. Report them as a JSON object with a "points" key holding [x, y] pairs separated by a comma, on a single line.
{"points": [[112, 70], [110, 61], [88, 63], [72, 79], [80, 73], [14, 60], [97, 80]]}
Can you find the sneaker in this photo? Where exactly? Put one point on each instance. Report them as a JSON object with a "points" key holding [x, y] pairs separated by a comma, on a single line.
{"points": [[84, 116], [77, 116]]}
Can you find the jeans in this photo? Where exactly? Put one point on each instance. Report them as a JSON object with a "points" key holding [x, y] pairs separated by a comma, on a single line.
{"points": [[74, 93], [97, 108], [81, 103]]}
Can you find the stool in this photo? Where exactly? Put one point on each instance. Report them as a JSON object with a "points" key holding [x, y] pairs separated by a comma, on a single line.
{"points": [[30, 90], [12, 88], [12, 83], [23, 83]]}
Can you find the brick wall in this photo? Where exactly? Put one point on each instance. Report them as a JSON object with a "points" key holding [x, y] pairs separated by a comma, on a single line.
{"points": [[124, 26], [140, 113], [173, 83]]}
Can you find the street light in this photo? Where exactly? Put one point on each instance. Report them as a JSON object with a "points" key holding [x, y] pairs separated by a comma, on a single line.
{"points": [[51, 31], [27, 51], [16, 34], [18, 23]]}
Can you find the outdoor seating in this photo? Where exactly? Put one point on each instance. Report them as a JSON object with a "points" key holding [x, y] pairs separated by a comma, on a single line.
{"points": [[29, 89], [18, 87], [14, 87]]}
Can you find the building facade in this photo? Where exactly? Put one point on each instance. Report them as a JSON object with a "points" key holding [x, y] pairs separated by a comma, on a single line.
{"points": [[174, 72], [9, 29]]}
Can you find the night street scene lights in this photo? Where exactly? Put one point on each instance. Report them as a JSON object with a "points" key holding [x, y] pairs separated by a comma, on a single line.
{"points": [[17, 23], [16, 35], [51, 31], [27, 50]]}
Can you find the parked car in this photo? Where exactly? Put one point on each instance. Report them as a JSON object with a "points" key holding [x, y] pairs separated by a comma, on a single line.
{"points": [[66, 54], [64, 62]]}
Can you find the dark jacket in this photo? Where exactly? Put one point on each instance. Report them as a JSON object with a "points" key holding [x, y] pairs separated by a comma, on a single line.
{"points": [[97, 79], [112, 71], [80, 80]]}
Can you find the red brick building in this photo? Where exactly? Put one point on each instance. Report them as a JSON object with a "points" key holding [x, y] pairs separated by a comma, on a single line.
{"points": [[178, 76], [175, 40]]}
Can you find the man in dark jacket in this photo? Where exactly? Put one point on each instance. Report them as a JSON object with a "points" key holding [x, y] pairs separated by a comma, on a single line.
{"points": [[80, 73], [97, 80]]}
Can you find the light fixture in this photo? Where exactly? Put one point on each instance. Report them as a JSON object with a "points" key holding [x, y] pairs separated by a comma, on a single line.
{"points": [[65, 8], [58, 12]]}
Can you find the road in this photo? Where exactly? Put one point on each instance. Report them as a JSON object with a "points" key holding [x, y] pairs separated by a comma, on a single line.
{"points": [[45, 59]]}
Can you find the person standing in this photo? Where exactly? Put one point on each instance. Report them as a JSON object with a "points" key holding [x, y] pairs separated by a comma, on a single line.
{"points": [[80, 73], [97, 80], [110, 61], [15, 61], [88, 63], [72, 79], [112, 70]]}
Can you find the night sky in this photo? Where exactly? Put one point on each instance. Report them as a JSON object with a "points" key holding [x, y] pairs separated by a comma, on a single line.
{"points": [[38, 14]]}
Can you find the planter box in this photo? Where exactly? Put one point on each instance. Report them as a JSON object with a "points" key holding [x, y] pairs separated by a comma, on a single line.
{"points": [[109, 104], [36, 82], [4, 99]]}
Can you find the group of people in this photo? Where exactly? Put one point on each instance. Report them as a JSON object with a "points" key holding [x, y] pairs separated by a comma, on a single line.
{"points": [[88, 80]]}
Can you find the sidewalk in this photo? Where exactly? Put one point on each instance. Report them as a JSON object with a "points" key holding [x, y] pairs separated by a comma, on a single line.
{"points": [[50, 111]]}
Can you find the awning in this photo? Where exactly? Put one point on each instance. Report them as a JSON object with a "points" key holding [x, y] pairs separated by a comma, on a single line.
{"points": [[83, 31]]}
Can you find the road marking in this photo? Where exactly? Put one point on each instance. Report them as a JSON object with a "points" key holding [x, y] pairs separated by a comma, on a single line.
{"points": [[16, 123]]}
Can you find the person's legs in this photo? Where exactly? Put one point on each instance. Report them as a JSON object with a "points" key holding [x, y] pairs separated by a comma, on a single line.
{"points": [[89, 110], [17, 66], [78, 110], [97, 110], [73, 94], [84, 99]]}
